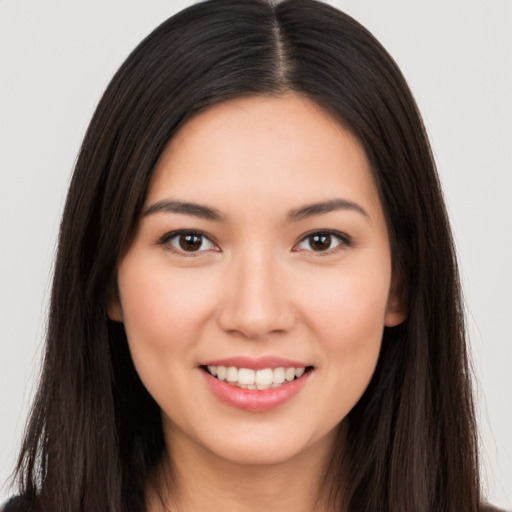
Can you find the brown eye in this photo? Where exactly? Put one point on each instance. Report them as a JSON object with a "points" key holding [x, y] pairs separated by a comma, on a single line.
{"points": [[188, 242], [321, 242]]}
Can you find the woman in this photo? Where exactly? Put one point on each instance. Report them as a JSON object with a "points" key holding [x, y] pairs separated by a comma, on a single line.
{"points": [[255, 204]]}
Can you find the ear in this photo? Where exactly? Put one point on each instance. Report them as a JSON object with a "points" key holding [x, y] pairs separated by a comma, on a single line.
{"points": [[114, 310], [396, 309]]}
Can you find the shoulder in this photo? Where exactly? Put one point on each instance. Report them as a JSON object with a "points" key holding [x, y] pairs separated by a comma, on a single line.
{"points": [[17, 504], [20, 504]]}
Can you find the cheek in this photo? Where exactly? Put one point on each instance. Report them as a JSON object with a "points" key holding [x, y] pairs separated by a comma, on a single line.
{"points": [[351, 305], [347, 317], [162, 311], [163, 314]]}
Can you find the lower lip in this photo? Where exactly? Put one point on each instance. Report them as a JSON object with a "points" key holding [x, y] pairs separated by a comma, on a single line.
{"points": [[252, 399]]}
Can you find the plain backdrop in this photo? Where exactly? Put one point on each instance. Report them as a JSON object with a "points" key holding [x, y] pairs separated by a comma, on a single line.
{"points": [[56, 58]]}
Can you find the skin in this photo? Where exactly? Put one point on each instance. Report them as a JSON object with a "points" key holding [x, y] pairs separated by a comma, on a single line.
{"points": [[255, 288]]}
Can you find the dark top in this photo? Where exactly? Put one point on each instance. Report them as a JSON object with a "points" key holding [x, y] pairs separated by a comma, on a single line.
{"points": [[15, 505], [19, 504]]}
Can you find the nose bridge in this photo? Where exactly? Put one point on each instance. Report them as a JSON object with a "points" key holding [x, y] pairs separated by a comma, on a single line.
{"points": [[256, 301]]}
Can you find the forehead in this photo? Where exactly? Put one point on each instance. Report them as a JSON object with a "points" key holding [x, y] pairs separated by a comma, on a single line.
{"points": [[262, 149]]}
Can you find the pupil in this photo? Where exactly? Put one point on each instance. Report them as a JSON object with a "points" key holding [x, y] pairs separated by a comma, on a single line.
{"points": [[320, 242], [190, 242]]}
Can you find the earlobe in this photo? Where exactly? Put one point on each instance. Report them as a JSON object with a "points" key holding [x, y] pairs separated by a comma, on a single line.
{"points": [[396, 309], [394, 316], [114, 310]]}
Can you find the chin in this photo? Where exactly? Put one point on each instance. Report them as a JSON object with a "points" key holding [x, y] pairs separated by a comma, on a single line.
{"points": [[270, 448]]}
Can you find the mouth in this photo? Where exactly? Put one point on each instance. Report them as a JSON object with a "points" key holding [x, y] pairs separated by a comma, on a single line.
{"points": [[256, 385], [261, 379]]}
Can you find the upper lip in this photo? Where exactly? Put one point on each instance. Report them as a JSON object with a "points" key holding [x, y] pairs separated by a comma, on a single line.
{"points": [[257, 363]]}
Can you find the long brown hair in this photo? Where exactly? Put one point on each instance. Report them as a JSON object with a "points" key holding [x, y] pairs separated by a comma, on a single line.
{"points": [[95, 434]]}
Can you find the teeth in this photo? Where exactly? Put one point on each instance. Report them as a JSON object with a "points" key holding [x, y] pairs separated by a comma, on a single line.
{"points": [[221, 372], [264, 378], [289, 374], [255, 379], [279, 375], [232, 374], [245, 376]]}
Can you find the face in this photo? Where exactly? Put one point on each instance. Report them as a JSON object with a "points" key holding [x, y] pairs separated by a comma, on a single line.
{"points": [[257, 287]]}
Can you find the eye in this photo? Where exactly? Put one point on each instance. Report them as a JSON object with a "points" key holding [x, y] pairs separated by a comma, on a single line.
{"points": [[188, 241], [322, 241]]}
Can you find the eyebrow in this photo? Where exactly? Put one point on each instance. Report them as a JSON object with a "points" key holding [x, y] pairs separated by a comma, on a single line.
{"points": [[209, 213], [194, 209], [312, 210]]}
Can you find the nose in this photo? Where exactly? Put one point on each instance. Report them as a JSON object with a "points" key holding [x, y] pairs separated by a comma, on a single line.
{"points": [[256, 299]]}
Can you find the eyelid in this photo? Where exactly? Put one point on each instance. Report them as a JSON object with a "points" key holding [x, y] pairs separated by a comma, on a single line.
{"points": [[165, 240], [344, 241]]}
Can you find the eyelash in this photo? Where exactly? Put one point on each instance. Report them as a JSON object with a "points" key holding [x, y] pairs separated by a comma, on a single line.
{"points": [[344, 241], [166, 240]]}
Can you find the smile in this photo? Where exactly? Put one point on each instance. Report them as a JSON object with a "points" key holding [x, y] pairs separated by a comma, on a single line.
{"points": [[255, 385], [247, 378]]}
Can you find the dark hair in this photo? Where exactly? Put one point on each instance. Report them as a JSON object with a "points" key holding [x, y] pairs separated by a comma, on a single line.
{"points": [[95, 433]]}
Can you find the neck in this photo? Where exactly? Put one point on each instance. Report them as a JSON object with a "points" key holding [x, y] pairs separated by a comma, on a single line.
{"points": [[192, 479]]}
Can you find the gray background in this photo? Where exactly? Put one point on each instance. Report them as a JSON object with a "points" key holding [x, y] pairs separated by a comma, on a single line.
{"points": [[56, 58]]}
